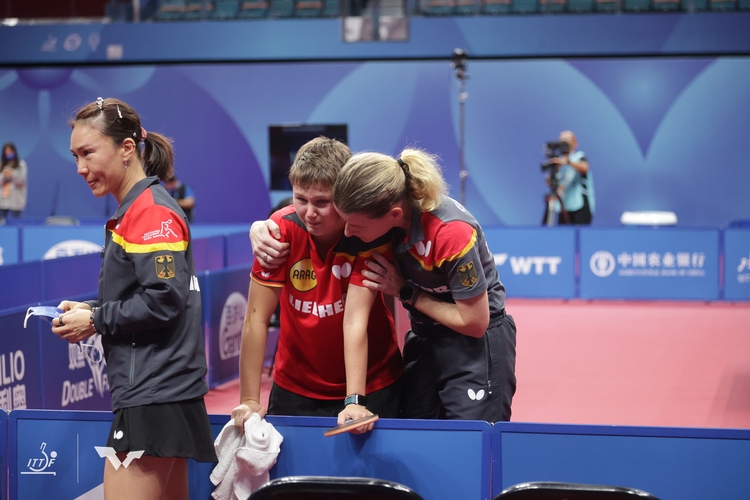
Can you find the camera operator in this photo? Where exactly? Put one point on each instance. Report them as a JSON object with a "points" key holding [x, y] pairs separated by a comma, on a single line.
{"points": [[575, 185]]}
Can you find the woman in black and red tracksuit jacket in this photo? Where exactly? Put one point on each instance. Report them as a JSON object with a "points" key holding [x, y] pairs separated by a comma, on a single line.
{"points": [[148, 309]]}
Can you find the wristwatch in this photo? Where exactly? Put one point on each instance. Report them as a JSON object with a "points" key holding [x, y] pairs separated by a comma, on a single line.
{"points": [[356, 399], [408, 295]]}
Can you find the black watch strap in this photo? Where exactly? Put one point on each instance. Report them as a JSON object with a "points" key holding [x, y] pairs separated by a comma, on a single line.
{"points": [[355, 399], [408, 295]]}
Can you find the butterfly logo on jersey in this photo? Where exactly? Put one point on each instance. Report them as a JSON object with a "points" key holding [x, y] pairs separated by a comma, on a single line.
{"points": [[467, 274], [342, 271], [423, 248]]}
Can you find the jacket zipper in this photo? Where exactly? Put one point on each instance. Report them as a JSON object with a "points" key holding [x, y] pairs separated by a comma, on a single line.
{"points": [[132, 360]]}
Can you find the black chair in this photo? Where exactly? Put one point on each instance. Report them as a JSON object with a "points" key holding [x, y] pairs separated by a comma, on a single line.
{"points": [[333, 488], [571, 491]]}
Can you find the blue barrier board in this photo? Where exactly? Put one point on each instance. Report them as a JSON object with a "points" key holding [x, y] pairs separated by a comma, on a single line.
{"points": [[737, 264], [48, 242], [535, 262], [70, 380], [439, 459], [649, 263], [239, 250], [20, 362], [70, 277], [21, 284], [9, 246], [3, 453], [669, 463], [224, 302], [208, 253], [52, 451]]}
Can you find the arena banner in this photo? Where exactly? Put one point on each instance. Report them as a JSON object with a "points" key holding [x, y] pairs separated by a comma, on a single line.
{"points": [[20, 284], [50, 242], [8, 246], [534, 262], [224, 295], [668, 463], [737, 264], [74, 377], [20, 362], [649, 263], [3, 454], [55, 452]]}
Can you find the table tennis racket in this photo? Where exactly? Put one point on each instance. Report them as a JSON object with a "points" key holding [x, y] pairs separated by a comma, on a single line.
{"points": [[349, 425]]}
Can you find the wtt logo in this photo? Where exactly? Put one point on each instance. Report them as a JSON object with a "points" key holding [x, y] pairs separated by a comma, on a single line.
{"points": [[524, 265]]}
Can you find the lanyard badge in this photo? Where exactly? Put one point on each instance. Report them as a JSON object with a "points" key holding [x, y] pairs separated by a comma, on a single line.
{"points": [[48, 313]]}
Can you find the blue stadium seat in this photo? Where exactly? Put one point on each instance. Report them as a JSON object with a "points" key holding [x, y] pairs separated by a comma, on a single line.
{"points": [[580, 5], [331, 8], [282, 8], [495, 6], [436, 7], [170, 10], [723, 5], [308, 8], [225, 9], [694, 5], [552, 5], [465, 7], [666, 5], [524, 6], [607, 5], [253, 9], [197, 9], [637, 5]]}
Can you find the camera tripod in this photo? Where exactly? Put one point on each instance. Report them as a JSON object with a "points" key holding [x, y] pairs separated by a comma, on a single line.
{"points": [[549, 213]]}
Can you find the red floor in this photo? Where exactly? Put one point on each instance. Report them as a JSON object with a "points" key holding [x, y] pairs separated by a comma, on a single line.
{"points": [[684, 364]]}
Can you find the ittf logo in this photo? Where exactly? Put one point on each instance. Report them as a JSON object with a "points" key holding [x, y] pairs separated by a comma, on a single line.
{"points": [[302, 276]]}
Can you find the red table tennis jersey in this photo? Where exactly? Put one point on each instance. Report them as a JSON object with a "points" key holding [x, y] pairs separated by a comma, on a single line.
{"points": [[310, 354]]}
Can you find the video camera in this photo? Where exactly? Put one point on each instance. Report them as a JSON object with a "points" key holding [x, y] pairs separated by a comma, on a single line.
{"points": [[553, 150]]}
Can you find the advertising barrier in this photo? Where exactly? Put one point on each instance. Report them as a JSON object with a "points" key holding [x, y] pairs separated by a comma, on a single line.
{"points": [[20, 362], [54, 452], [50, 242], [535, 262], [3, 454], [648, 263], [737, 264], [669, 463], [224, 305], [439, 459]]}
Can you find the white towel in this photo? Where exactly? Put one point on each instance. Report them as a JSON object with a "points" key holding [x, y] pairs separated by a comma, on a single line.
{"points": [[244, 460]]}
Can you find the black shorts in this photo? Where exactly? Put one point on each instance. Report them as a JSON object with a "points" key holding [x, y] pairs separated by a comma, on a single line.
{"points": [[384, 403], [170, 430], [456, 377]]}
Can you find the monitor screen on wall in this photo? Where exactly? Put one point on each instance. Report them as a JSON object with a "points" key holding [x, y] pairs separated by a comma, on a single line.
{"points": [[285, 140]]}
